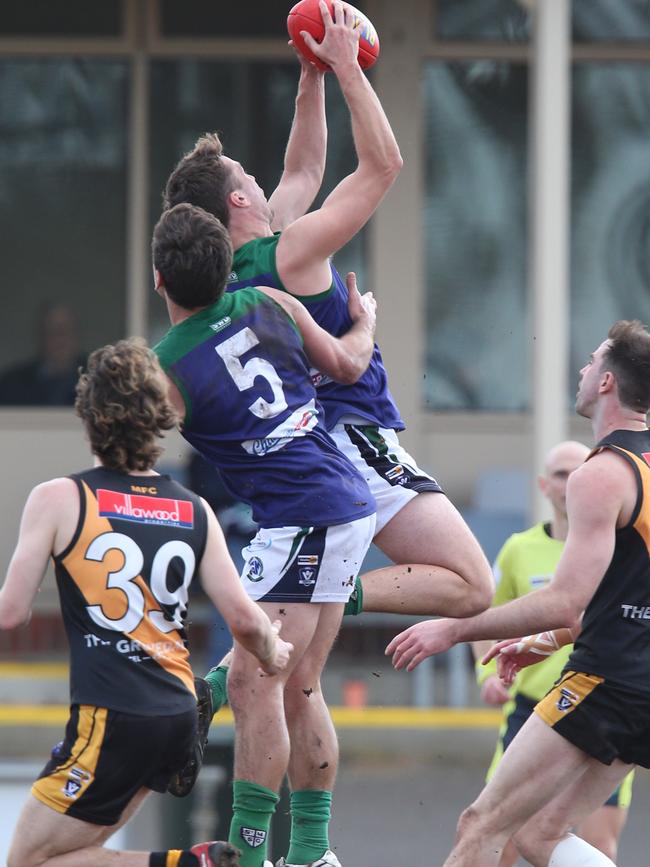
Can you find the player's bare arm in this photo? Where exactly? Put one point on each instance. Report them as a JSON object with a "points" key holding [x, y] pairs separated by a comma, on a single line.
{"points": [[47, 524], [176, 398], [248, 623], [306, 244], [343, 358], [600, 499], [304, 160]]}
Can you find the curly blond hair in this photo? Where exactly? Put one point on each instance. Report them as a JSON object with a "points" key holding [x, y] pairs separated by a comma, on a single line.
{"points": [[123, 403]]}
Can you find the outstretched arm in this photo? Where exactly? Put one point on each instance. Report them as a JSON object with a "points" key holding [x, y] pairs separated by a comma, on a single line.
{"points": [[248, 623], [597, 495], [306, 245], [343, 358], [304, 160]]}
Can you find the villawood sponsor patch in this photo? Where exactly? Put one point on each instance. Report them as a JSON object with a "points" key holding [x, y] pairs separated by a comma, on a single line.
{"points": [[145, 510]]}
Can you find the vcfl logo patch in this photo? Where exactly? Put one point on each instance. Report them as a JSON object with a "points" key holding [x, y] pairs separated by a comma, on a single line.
{"points": [[77, 779], [253, 836]]}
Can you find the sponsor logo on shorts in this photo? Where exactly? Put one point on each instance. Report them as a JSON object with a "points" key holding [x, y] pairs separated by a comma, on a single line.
{"points": [[145, 510], [232, 277], [77, 779], [255, 569], [395, 472], [566, 700], [308, 559], [220, 324], [537, 581], [253, 836]]}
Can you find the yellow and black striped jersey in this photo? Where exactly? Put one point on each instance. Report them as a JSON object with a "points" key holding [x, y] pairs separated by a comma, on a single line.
{"points": [[123, 584], [615, 638]]}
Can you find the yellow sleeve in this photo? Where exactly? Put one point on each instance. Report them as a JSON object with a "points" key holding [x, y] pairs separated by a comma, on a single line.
{"points": [[505, 591]]}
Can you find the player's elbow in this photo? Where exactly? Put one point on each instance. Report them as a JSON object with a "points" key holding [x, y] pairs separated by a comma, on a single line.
{"points": [[349, 372], [12, 617], [389, 167], [396, 162]]}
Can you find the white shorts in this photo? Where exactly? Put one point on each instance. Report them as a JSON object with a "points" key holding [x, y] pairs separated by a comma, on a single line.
{"points": [[306, 564], [391, 473]]}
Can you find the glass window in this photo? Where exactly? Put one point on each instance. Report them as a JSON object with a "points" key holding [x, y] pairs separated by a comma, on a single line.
{"points": [[510, 20], [63, 131], [251, 105], [610, 268], [606, 20], [61, 18], [475, 236], [497, 20], [210, 18]]}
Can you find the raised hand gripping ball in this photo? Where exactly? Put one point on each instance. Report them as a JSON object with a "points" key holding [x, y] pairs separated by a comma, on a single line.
{"points": [[306, 15]]}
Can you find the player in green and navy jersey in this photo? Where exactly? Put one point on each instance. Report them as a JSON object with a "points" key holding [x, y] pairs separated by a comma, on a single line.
{"points": [[440, 566], [239, 377], [527, 562]]}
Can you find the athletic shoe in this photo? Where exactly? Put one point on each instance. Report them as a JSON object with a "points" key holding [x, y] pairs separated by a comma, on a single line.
{"points": [[216, 854], [329, 859], [182, 782]]}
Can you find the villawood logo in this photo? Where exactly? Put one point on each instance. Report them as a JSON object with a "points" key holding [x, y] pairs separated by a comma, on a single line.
{"points": [[145, 510]]}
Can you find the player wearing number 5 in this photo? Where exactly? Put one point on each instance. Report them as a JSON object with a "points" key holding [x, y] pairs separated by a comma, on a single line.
{"points": [[238, 365], [126, 543]]}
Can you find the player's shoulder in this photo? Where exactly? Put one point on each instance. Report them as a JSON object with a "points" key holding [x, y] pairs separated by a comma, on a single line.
{"points": [[606, 471], [53, 489], [52, 498]]}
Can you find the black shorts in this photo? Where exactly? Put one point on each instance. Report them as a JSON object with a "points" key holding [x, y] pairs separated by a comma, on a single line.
{"points": [[523, 708], [107, 756], [604, 720]]}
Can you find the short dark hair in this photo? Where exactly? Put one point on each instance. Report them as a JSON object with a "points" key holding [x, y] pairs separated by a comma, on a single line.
{"points": [[628, 358], [192, 251], [202, 179], [123, 402]]}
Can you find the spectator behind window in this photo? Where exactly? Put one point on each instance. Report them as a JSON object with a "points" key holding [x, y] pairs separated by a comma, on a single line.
{"points": [[49, 378]]}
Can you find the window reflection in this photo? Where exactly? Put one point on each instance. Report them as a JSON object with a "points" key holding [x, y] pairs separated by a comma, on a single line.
{"points": [[63, 129], [475, 236], [610, 269], [511, 20], [605, 20], [500, 20]]}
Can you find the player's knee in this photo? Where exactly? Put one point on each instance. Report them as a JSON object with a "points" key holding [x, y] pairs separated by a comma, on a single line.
{"points": [[298, 693], [470, 822], [478, 596], [527, 842]]}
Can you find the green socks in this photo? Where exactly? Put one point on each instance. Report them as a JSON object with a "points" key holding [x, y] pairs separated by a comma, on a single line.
{"points": [[310, 816], [253, 807], [354, 605], [217, 678]]}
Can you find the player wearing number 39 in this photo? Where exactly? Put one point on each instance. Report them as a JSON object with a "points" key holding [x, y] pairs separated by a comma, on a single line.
{"points": [[126, 543], [238, 365]]}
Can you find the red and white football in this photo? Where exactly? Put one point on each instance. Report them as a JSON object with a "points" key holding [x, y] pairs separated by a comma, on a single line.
{"points": [[306, 16]]}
